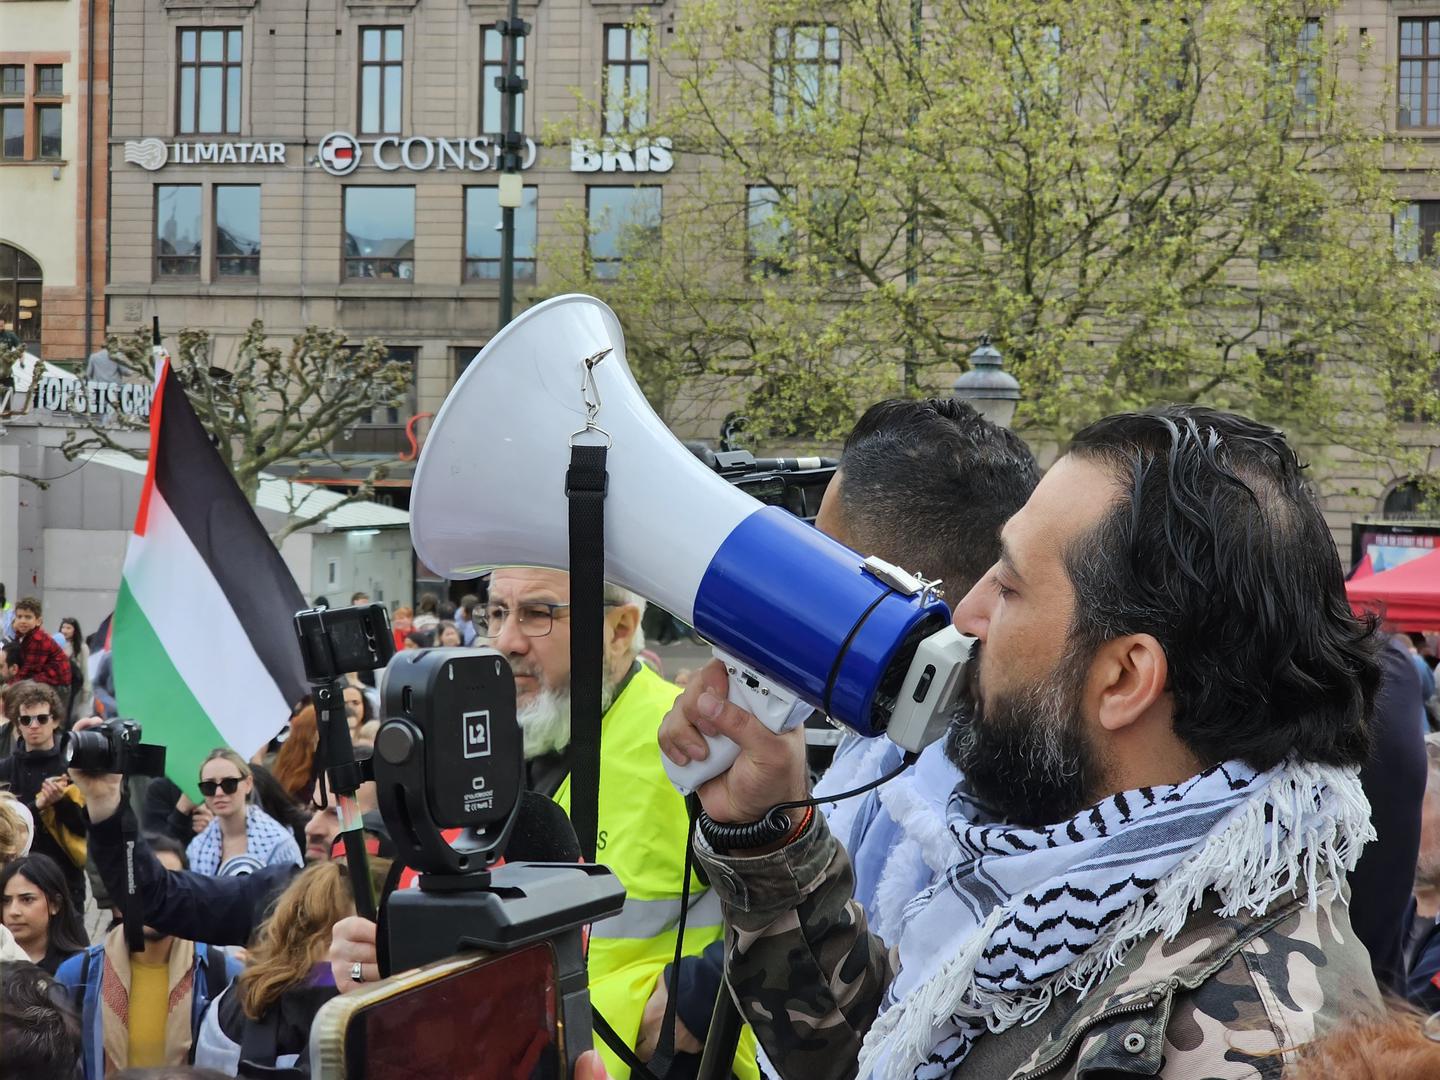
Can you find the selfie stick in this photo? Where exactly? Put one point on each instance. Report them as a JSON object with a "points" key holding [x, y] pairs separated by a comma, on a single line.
{"points": [[345, 775]]}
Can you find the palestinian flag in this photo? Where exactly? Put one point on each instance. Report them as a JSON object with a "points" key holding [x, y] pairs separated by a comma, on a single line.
{"points": [[204, 653]]}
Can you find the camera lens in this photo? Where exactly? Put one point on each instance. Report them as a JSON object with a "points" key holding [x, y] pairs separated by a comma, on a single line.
{"points": [[89, 751]]}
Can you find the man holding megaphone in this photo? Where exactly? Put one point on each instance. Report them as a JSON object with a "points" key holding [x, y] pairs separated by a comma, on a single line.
{"points": [[1159, 803]]}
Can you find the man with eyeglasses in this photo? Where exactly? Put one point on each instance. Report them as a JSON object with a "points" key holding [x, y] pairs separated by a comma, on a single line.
{"points": [[643, 826], [35, 774]]}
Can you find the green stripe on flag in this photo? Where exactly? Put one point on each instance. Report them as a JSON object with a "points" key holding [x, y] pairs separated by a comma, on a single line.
{"points": [[150, 691]]}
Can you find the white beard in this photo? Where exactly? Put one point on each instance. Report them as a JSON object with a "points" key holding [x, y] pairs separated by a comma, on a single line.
{"points": [[545, 719]]}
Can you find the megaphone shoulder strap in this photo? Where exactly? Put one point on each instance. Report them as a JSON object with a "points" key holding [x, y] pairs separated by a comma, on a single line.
{"points": [[585, 484]]}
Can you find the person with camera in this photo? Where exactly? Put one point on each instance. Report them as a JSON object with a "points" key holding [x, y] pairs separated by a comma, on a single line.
{"points": [[642, 821], [35, 774], [1159, 806], [145, 1008]]}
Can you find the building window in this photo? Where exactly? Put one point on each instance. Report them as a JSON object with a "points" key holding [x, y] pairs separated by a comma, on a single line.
{"points": [[804, 70], [382, 70], [237, 231], [49, 86], [177, 230], [621, 219], [1419, 73], [463, 356], [30, 120], [382, 431], [208, 100], [49, 80], [482, 234], [12, 132], [1416, 224], [380, 232], [626, 91], [20, 289], [768, 232], [492, 67], [47, 126], [1307, 72]]}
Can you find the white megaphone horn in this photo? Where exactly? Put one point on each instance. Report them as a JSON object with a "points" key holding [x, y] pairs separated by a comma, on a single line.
{"points": [[794, 614]]}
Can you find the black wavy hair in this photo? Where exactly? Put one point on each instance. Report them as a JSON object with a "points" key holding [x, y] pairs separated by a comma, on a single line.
{"points": [[1218, 549], [928, 484], [39, 1028], [66, 933]]}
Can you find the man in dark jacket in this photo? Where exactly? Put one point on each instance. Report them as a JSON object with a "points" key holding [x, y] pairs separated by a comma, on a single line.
{"points": [[35, 774], [1394, 782]]}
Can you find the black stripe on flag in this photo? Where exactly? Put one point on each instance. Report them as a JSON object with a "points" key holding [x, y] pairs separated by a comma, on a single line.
{"points": [[208, 503]]}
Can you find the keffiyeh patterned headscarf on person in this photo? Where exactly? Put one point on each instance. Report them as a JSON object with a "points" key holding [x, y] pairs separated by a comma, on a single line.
{"points": [[1034, 912]]}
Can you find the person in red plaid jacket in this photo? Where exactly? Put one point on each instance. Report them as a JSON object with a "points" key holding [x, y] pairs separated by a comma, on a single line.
{"points": [[36, 655]]}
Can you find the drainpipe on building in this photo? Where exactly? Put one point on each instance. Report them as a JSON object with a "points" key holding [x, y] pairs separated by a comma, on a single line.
{"points": [[90, 183]]}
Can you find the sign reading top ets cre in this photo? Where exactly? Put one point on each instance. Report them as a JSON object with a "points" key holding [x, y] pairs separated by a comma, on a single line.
{"points": [[94, 398]]}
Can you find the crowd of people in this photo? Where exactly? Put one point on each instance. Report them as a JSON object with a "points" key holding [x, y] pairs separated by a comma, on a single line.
{"points": [[1186, 821]]}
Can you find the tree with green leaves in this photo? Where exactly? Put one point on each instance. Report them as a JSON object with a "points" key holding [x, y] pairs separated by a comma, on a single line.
{"points": [[271, 406], [1139, 202]]}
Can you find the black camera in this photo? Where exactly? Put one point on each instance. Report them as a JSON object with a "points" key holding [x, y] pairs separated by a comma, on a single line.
{"points": [[334, 641], [115, 747]]}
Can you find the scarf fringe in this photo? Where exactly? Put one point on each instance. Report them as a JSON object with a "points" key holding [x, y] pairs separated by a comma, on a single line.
{"points": [[1318, 822]]}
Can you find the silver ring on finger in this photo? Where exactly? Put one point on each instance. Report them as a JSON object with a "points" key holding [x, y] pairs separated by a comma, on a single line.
{"points": [[357, 972]]}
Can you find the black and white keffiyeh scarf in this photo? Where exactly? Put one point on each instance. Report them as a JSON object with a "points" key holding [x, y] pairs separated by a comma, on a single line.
{"points": [[1027, 913]]}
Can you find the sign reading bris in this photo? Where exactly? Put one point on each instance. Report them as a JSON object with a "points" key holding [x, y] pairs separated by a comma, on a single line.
{"points": [[622, 155]]}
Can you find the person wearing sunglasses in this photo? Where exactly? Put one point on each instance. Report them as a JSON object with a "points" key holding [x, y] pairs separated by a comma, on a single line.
{"points": [[238, 827], [35, 774]]}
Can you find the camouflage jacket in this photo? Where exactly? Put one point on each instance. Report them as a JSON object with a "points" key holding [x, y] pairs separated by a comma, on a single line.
{"points": [[1226, 999]]}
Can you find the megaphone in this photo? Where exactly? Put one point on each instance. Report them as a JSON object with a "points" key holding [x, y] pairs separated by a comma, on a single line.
{"points": [[800, 620]]}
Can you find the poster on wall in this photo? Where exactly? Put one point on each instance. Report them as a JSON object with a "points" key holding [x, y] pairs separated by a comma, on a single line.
{"points": [[1382, 546]]}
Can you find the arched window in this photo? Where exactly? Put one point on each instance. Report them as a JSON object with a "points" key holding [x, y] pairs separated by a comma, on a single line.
{"points": [[1406, 502], [20, 284]]}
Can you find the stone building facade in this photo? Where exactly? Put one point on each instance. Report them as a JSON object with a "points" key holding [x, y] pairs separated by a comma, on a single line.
{"points": [[54, 107], [336, 164]]}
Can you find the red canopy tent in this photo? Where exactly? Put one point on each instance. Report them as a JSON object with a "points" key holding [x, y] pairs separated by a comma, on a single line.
{"points": [[1407, 596]]}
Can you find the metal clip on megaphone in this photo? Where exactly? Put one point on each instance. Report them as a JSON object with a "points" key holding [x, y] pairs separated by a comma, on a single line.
{"points": [[803, 622]]}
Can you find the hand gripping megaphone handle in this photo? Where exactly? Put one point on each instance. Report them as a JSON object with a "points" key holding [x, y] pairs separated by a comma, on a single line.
{"points": [[774, 706]]}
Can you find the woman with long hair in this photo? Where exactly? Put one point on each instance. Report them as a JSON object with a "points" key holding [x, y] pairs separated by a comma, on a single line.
{"points": [[449, 636], [37, 910], [72, 640], [294, 765], [273, 1002], [238, 826]]}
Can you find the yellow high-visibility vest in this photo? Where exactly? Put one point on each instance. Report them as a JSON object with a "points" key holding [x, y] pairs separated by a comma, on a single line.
{"points": [[641, 836]]}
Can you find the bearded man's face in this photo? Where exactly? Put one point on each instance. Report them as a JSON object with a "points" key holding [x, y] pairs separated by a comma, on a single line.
{"points": [[1023, 749]]}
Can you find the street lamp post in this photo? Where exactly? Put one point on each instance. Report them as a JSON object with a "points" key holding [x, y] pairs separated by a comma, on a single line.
{"points": [[987, 386], [511, 190]]}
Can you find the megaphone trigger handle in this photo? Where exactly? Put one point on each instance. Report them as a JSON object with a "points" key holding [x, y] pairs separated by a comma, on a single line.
{"points": [[773, 705], [688, 779], [770, 703]]}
